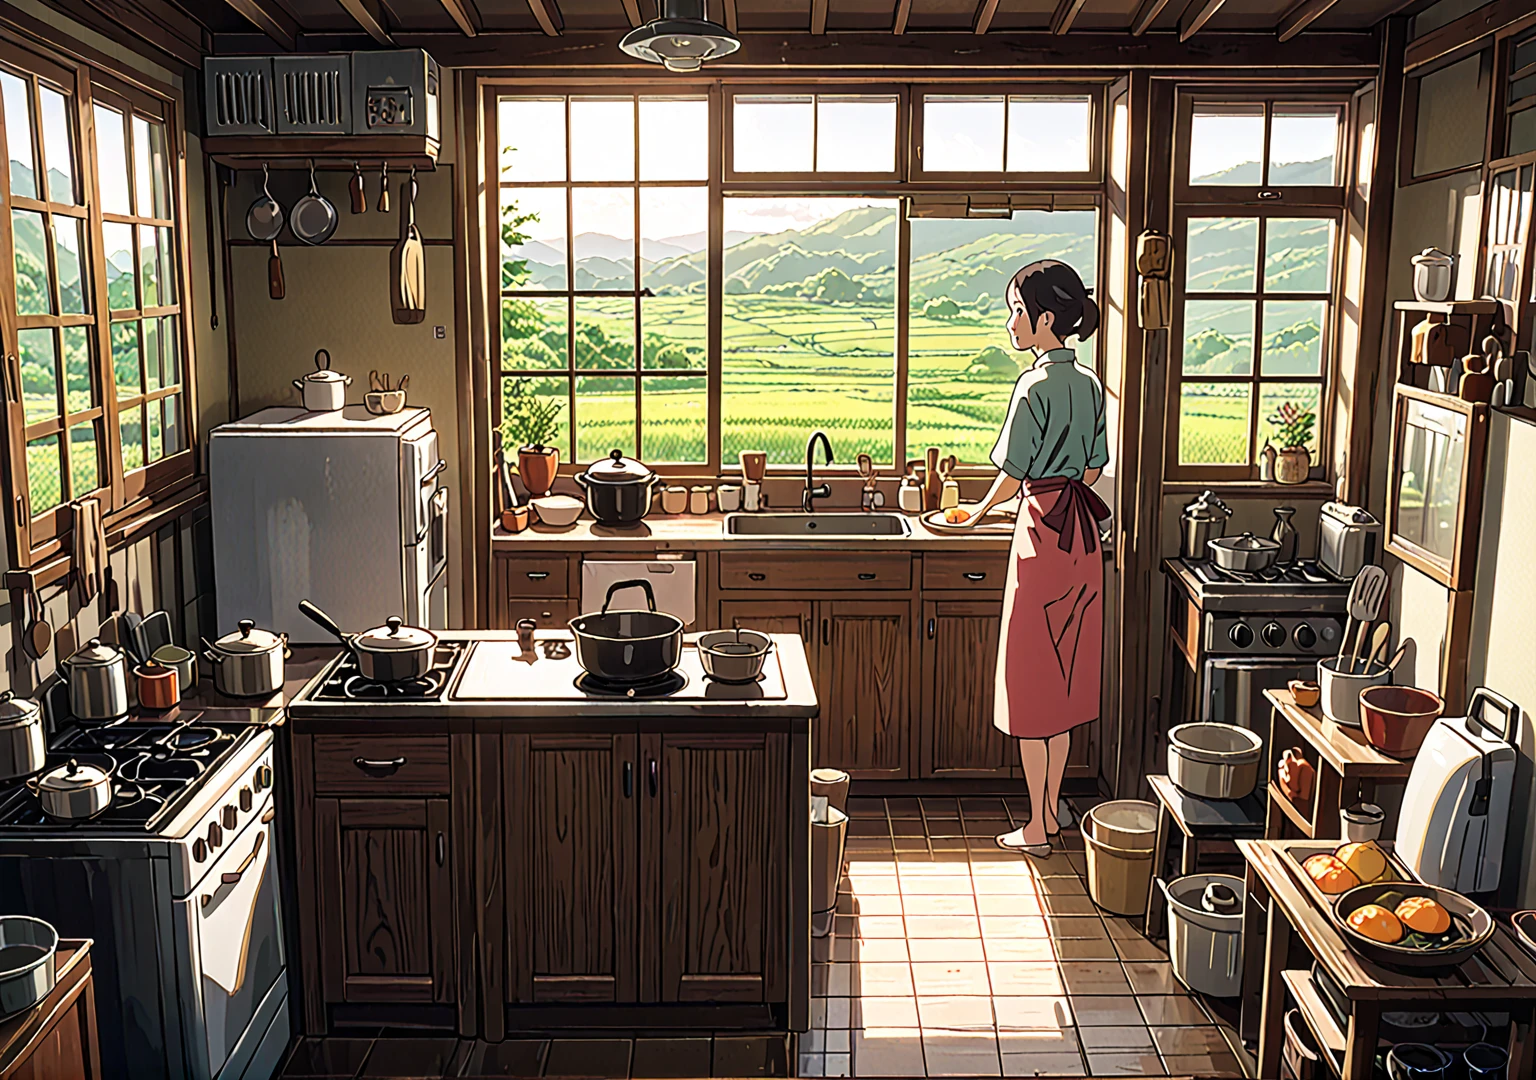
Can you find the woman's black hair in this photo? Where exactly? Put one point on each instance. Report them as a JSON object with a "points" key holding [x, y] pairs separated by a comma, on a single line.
{"points": [[1050, 285]]}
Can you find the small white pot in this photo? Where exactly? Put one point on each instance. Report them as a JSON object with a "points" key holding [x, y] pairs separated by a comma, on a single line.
{"points": [[324, 390]]}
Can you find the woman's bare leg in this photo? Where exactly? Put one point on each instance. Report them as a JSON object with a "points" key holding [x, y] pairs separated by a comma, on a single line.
{"points": [[1034, 754], [1058, 747]]}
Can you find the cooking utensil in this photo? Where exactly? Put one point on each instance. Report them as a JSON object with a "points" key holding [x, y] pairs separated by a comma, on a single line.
{"points": [[73, 791], [1397, 718], [1206, 946], [324, 390], [151, 633], [1471, 927], [374, 382], [22, 743], [184, 661], [275, 287], [1397, 657], [1245, 554], [388, 653], [1355, 602], [1432, 275], [248, 662], [384, 402], [628, 646], [1361, 822], [356, 190], [158, 685], [1365, 595], [383, 204], [28, 962], [409, 264], [1203, 520], [1304, 692], [1379, 636], [1214, 761], [1484, 1061], [264, 220], [734, 656], [314, 219], [932, 482], [1285, 535], [39, 632], [1339, 688], [98, 681], [618, 489]]}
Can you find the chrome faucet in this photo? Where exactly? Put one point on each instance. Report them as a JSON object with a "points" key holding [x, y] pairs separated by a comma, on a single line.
{"points": [[814, 490]]}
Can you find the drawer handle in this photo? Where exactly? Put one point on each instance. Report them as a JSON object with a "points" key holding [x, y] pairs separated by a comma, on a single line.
{"points": [[655, 778], [931, 628], [266, 819], [537, 575], [442, 849], [867, 577], [758, 577], [233, 878], [375, 765], [976, 575], [629, 779]]}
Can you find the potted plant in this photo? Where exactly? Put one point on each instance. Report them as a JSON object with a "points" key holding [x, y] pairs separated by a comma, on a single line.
{"points": [[535, 420], [1293, 431]]}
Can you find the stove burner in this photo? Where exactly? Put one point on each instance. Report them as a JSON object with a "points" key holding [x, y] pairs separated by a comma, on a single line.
{"points": [[661, 686], [191, 738], [1304, 573], [346, 683], [427, 686]]}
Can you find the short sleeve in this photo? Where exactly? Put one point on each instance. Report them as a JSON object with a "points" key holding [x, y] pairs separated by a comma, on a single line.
{"points": [[1019, 440], [1098, 449]]}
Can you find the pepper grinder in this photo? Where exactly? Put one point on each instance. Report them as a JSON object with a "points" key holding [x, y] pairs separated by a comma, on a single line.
{"points": [[1284, 535], [933, 483]]}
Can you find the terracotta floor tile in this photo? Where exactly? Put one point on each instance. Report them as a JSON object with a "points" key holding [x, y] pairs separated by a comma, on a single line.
{"points": [[959, 977], [858, 883], [1172, 1009], [1023, 978], [910, 846], [1122, 928], [937, 949], [937, 807], [961, 1053], [1009, 865], [1029, 1064], [821, 949], [983, 806], [1017, 904], [881, 980], [903, 808], [1094, 977], [981, 828], [868, 926], [837, 1012], [1038, 1041], [867, 847], [873, 950], [956, 903], [1042, 1013], [869, 826], [992, 881], [1121, 1063], [883, 1012], [813, 1041], [818, 1012], [869, 904], [943, 926], [1057, 864], [1149, 978], [838, 1041], [907, 827], [1136, 1038], [1103, 1011], [1063, 886], [671, 1057], [968, 1013], [1014, 926], [340, 1058], [1138, 949], [1068, 904], [1035, 949], [837, 1065], [888, 1052], [1076, 926], [950, 843], [831, 980], [866, 807], [1085, 949], [1173, 1041], [946, 828], [1203, 1065], [588, 1057], [943, 879]]}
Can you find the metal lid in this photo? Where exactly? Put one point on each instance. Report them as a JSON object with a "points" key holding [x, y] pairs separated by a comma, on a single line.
{"points": [[73, 777], [1432, 256], [1246, 542], [248, 639], [326, 376], [1207, 507], [95, 653], [15, 710], [394, 636], [618, 469]]}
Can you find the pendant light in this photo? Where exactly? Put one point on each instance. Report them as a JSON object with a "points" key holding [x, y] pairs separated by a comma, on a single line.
{"points": [[681, 39]]}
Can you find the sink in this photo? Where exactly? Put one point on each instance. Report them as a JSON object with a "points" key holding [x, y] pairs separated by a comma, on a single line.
{"points": [[816, 526]]}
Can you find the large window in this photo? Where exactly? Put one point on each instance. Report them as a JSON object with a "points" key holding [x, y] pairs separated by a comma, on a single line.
{"points": [[97, 308], [684, 278]]}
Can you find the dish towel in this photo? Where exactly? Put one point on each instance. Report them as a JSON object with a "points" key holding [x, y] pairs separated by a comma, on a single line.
{"points": [[90, 547]]}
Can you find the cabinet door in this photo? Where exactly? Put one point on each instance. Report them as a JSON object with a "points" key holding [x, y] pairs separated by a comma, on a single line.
{"points": [[768, 617], [955, 732], [386, 897], [571, 834], [864, 685], [714, 909]]}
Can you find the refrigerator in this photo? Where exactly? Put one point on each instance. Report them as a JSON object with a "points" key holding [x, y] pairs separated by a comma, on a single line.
{"points": [[342, 508]]}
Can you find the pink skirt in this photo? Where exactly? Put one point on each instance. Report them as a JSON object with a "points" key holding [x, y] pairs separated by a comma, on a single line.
{"points": [[1049, 665]]}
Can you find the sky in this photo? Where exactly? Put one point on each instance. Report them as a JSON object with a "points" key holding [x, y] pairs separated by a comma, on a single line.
{"points": [[1221, 140]]}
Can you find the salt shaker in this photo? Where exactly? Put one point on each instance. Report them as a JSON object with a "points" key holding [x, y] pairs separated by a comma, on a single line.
{"points": [[949, 494], [749, 495]]}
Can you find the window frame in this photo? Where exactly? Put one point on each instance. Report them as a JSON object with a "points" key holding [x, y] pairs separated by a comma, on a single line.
{"points": [[1098, 133], [730, 176]]}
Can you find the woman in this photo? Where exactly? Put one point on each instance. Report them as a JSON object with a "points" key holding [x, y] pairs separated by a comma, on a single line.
{"points": [[1051, 448]]}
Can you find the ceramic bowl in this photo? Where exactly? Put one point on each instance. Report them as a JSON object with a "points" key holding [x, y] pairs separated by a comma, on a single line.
{"points": [[384, 402], [558, 511], [1397, 718], [1472, 925], [1305, 692]]}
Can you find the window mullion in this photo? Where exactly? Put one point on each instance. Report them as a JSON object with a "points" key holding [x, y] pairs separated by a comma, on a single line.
{"points": [[90, 187], [903, 278]]}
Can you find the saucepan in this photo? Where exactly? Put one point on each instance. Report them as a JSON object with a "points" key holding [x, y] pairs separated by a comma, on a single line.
{"points": [[73, 791], [628, 647], [28, 962], [734, 656], [1246, 554], [389, 653]]}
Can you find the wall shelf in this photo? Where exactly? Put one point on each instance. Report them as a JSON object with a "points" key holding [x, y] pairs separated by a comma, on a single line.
{"points": [[327, 151]]}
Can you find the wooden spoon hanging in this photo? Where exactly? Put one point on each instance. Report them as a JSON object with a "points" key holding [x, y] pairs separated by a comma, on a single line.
{"points": [[275, 274], [39, 635]]}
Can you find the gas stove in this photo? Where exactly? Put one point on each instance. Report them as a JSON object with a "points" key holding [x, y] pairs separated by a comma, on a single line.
{"points": [[343, 680], [1298, 587]]}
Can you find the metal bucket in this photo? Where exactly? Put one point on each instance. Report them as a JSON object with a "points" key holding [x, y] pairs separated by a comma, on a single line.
{"points": [[1206, 947]]}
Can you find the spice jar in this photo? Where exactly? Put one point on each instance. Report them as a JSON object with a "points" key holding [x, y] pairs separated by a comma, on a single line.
{"points": [[698, 499], [674, 499], [728, 498]]}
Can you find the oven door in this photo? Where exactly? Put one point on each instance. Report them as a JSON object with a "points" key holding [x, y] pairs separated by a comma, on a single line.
{"points": [[234, 934], [1234, 689]]}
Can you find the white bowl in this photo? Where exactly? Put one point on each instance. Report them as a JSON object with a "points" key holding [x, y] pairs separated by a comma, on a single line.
{"points": [[558, 510]]}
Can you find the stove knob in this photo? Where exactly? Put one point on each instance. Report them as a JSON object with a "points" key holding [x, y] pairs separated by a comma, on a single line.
{"points": [[231, 816], [199, 850], [215, 835], [245, 800], [263, 777], [1274, 635], [1241, 635], [1306, 637]]}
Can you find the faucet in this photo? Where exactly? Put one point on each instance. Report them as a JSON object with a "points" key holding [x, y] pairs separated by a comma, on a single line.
{"points": [[813, 490]]}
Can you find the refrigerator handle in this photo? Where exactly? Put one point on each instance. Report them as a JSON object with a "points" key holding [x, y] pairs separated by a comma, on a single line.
{"points": [[434, 472]]}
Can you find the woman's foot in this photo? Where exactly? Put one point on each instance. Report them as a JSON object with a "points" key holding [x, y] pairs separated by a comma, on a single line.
{"points": [[1020, 839]]}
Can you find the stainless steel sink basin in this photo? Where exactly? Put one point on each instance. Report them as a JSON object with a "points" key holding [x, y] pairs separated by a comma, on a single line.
{"points": [[816, 526]]}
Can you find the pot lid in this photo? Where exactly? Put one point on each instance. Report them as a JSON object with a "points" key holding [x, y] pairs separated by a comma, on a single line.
{"points": [[1246, 542], [1432, 256], [248, 639], [15, 710], [1207, 507], [325, 377], [395, 636], [73, 777], [95, 653], [618, 469]]}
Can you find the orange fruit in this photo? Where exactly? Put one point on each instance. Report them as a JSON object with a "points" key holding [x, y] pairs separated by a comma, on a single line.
{"points": [[1377, 923], [1424, 915], [1330, 874], [1366, 859], [956, 516]]}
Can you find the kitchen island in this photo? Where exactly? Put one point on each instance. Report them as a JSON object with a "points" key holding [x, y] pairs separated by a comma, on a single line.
{"points": [[501, 850]]}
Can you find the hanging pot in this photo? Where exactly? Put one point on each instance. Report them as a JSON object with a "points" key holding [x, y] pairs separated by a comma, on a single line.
{"points": [[22, 745], [618, 489], [314, 217], [98, 681], [389, 653], [248, 662], [324, 390], [73, 792]]}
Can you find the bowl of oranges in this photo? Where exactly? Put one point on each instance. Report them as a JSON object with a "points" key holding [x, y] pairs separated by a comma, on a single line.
{"points": [[1421, 929]]}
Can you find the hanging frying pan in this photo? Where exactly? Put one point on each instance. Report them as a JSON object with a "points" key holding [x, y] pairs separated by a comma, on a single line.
{"points": [[314, 218], [264, 220]]}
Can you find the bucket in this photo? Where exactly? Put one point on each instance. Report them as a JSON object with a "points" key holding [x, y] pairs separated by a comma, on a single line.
{"points": [[1119, 853], [827, 841], [1206, 947], [832, 785]]}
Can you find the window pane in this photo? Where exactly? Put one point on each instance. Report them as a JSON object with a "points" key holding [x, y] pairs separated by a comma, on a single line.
{"points": [[1218, 337], [605, 334], [1282, 414], [125, 359], [1048, 134], [149, 267], [532, 132], [170, 351], [1298, 254], [533, 333], [809, 326], [1119, 137], [1226, 144], [1220, 254], [1293, 337], [167, 266], [534, 411], [537, 259], [1434, 447], [66, 261], [673, 419], [962, 134], [122, 266], [1213, 424], [605, 417], [961, 362], [84, 459], [673, 238], [1525, 53], [130, 426], [33, 295], [1522, 132], [44, 485], [159, 170], [79, 369], [1303, 146], [152, 354], [112, 162], [772, 134], [602, 139], [39, 374], [603, 224], [1452, 115], [58, 147], [143, 187], [675, 332], [1521, 88], [856, 134], [18, 134], [154, 449], [171, 426], [674, 139]]}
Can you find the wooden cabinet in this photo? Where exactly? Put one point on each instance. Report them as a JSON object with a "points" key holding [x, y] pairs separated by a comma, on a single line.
{"points": [[959, 663], [770, 617], [864, 676], [56, 1038], [544, 588]]}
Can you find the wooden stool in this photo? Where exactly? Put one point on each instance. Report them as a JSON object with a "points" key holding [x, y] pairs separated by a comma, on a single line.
{"points": [[1198, 819]]}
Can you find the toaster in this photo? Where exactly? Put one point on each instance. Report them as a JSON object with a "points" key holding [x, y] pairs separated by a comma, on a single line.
{"points": [[1348, 539]]}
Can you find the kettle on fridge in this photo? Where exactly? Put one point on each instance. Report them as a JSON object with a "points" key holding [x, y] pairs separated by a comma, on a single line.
{"points": [[1203, 520]]}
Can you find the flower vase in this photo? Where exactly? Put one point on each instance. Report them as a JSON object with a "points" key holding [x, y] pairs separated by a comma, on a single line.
{"points": [[537, 466], [1293, 465]]}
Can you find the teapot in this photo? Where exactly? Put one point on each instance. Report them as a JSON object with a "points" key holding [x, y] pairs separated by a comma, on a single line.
{"points": [[324, 390]]}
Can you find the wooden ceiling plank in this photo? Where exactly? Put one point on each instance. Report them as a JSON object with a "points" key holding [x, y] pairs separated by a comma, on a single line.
{"points": [[464, 13], [1197, 15], [266, 16], [632, 12], [818, 16], [130, 17], [1065, 14], [900, 16], [1301, 16], [1146, 15], [728, 14], [548, 14], [986, 11], [368, 15]]}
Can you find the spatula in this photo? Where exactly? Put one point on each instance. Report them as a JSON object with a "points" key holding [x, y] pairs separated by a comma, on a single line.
{"points": [[1365, 596], [1378, 651]]}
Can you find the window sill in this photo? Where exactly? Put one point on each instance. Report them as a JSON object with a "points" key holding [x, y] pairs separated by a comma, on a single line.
{"points": [[1310, 489]]}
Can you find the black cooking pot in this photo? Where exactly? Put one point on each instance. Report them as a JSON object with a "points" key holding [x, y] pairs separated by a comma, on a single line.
{"points": [[389, 653], [628, 647], [618, 489]]}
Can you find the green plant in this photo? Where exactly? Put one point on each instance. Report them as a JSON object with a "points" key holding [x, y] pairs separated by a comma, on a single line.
{"points": [[1293, 426], [534, 416]]}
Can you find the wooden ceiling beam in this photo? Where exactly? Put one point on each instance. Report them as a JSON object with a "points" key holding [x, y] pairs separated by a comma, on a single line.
{"points": [[548, 14], [985, 12], [1146, 15], [123, 15], [464, 13], [1197, 15], [370, 16], [632, 13], [728, 14], [1065, 15], [818, 16], [1301, 16], [270, 19], [900, 16]]}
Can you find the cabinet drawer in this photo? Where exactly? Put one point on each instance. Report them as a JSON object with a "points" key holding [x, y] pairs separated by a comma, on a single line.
{"points": [[816, 570], [548, 614], [381, 765], [546, 575], [964, 570]]}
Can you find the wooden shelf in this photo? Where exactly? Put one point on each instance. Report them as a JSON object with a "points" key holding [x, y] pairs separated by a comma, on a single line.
{"points": [[1288, 808], [327, 151], [1343, 748], [1315, 1014], [1448, 307]]}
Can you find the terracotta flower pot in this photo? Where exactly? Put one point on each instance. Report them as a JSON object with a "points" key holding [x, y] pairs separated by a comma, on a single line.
{"points": [[1292, 465], [537, 466]]}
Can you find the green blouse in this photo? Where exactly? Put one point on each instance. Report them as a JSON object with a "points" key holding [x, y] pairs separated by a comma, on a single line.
{"points": [[1055, 424]]}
